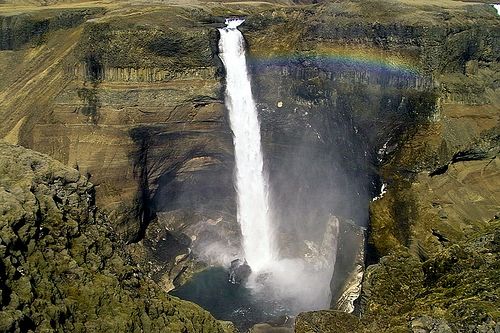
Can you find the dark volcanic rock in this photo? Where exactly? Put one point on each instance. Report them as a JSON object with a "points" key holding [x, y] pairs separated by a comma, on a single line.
{"points": [[61, 268], [239, 271]]}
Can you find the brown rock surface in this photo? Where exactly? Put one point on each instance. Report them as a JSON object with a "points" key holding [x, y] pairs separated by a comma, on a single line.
{"points": [[131, 93]]}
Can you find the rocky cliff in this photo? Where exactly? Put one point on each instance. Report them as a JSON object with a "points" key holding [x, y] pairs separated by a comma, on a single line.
{"points": [[454, 290], [63, 268], [403, 93], [134, 105]]}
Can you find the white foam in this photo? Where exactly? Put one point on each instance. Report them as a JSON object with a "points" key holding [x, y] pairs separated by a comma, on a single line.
{"points": [[233, 23], [383, 190]]}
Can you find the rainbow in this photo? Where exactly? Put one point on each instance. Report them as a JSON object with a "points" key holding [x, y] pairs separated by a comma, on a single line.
{"points": [[370, 59]]}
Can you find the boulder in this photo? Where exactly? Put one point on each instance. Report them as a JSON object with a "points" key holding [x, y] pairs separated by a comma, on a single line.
{"points": [[326, 321], [239, 271]]}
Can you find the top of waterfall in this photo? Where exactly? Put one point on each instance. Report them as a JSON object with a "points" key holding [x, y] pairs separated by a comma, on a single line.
{"points": [[497, 7], [233, 23]]}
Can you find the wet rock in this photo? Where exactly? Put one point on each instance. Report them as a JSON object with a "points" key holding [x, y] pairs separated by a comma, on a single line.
{"points": [[239, 271], [349, 266]]}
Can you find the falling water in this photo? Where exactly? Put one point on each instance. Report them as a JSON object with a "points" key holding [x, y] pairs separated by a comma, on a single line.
{"points": [[279, 286], [251, 186]]}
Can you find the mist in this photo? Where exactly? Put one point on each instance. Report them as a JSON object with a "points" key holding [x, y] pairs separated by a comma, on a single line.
{"points": [[320, 151]]}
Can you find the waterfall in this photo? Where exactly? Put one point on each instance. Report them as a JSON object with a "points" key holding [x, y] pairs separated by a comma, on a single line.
{"points": [[251, 185], [497, 7]]}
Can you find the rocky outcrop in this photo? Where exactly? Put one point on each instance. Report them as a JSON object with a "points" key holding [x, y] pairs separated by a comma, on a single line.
{"points": [[349, 266], [326, 321], [453, 291], [438, 229], [62, 266]]}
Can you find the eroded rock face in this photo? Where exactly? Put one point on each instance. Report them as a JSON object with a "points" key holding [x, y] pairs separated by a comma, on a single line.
{"points": [[63, 267], [137, 107], [109, 83], [452, 291], [133, 96]]}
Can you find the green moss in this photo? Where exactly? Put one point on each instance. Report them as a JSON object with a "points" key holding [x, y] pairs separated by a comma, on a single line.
{"points": [[74, 278], [457, 287]]}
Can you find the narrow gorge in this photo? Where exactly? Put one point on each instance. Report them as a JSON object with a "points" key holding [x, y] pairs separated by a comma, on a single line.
{"points": [[287, 166]]}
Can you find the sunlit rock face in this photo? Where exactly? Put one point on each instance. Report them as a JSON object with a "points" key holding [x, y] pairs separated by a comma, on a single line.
{"points": [[134, 97], [329, 116], [137, 107]]}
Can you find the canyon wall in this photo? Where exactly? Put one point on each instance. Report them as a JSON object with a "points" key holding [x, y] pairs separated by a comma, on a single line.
{"points": [[400, 93], [63, 268]]}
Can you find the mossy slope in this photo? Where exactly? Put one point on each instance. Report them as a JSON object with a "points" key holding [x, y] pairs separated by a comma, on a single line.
{"points": [[61, 267]]}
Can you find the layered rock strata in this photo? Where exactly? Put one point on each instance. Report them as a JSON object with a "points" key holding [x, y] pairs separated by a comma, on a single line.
{"points": [[131, 95]]}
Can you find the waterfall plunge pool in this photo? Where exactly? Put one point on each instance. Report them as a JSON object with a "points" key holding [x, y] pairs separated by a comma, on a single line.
{"points": [[243, 306]]}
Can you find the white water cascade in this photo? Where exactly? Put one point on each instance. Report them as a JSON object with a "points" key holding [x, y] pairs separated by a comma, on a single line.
{"points": [[251, 186]]}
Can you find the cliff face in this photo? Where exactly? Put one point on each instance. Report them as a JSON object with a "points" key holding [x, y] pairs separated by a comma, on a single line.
{"points": [[432, 135], [136, 106], [455, 290], [438, 158], [63, 268], [402, 93]]}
